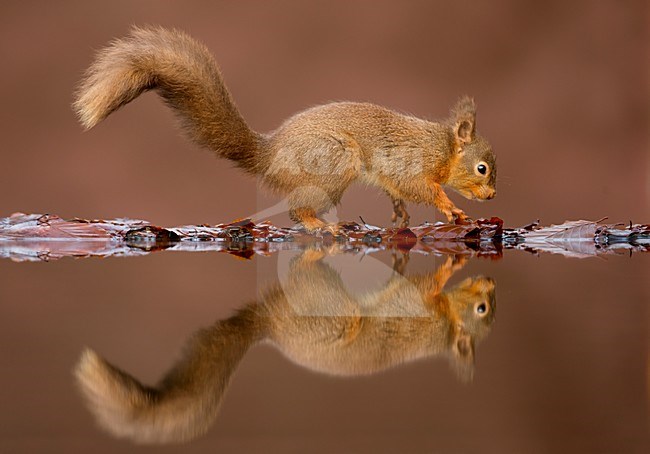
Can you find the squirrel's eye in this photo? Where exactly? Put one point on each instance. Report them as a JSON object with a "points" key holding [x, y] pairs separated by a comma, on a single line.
{"points": [[481, 308], [481, 168]]}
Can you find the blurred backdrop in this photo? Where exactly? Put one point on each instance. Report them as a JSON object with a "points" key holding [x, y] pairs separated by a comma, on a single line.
{"points": [[561, 87], [562, 92]]}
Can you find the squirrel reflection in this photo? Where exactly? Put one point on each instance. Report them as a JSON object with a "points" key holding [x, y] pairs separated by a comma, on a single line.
{"points": [[317, 323]]}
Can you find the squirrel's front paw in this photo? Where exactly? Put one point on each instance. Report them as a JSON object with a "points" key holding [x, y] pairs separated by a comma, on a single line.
{"points": [[458, 261], [458, 216], [399, 211], [400, 261]]}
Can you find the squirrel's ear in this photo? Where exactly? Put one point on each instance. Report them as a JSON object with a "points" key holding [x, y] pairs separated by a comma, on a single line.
{"points": [[463, 356], [463, 117]]}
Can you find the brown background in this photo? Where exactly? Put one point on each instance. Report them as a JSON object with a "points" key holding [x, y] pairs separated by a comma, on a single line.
{"points": [[561, 89], [563, 98]]}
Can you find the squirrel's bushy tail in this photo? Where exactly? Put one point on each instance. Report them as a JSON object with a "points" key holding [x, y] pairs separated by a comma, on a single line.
{"points": [[184, 74], [186, 402]]}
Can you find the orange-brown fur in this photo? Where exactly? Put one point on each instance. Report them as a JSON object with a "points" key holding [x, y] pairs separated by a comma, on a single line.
{"points": [[313, 156], [315, 321]]}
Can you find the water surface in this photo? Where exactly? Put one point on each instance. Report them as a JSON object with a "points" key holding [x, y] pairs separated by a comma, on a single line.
{"points": [[324, 351]]}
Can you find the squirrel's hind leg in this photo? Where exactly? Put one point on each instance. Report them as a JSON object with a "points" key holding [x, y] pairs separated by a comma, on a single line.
{"points": [[308, 202], [311, 222], [308, 218]]}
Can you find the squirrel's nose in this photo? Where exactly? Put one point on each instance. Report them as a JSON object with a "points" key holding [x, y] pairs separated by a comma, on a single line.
{"points": [[492, 194]]}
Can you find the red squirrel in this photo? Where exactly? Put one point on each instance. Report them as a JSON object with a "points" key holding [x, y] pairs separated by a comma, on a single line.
{"points": [[317, 322], [313, 156]]}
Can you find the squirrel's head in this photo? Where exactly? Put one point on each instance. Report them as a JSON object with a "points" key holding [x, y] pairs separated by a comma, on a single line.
{"points": [[474, 169], [474, 303], [473, 308]]}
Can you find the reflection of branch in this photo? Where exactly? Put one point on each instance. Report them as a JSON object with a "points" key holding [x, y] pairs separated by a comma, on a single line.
{"points": [[315, 321], [82, 238], [579, 238], [123, 237]]}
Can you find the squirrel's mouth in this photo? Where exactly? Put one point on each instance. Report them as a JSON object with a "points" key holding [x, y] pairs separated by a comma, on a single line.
{"points": [[480, 193], [483, 193]]}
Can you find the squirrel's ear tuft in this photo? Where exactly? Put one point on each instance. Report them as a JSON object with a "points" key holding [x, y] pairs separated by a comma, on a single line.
{"points": [[463, 118], [463, 356]]}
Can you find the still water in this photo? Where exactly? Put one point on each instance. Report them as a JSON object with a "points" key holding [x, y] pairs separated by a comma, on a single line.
{"points": [[319, 350]]}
